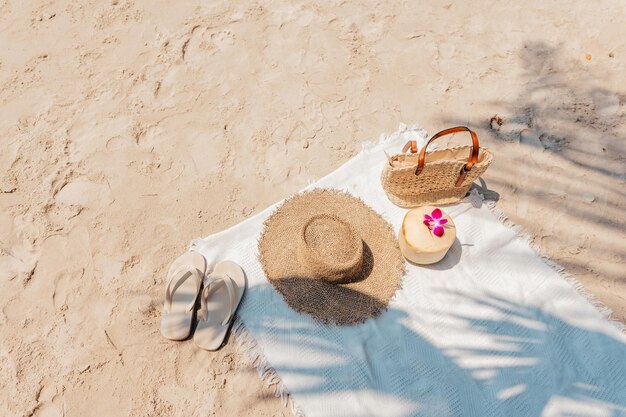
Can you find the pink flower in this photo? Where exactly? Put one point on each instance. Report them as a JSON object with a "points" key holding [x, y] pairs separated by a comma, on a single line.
{"points": [[435, 222]]}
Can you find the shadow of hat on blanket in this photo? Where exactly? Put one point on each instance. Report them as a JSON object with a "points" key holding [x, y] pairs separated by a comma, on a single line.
{"points": [[518, 361]]}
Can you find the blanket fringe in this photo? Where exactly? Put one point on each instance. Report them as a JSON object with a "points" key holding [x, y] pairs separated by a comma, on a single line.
{"points": [[253, 352], [599, 305]]}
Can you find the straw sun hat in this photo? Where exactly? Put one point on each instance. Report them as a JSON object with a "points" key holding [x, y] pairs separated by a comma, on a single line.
{"points": [[331, 256]]}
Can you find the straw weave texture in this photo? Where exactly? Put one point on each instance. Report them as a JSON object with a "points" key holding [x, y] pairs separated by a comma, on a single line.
{"points": [[331, 249], [310, 252], [436, 183]]}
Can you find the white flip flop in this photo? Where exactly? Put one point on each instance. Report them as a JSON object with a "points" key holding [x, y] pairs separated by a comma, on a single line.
{"points": [[222, 293], [184, 279]]}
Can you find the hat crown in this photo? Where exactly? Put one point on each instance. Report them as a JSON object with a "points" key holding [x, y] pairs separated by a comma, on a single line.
{"points": [[330, 248]]}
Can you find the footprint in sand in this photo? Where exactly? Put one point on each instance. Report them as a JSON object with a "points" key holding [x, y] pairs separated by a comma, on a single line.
{"points": [[222, 39], [82, 192], [48, 410], [277, 172], [203, 41], [50, 402]]}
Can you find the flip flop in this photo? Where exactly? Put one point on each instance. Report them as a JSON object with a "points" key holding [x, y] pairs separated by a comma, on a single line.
{"points": [[184, 279], [222, 293]]}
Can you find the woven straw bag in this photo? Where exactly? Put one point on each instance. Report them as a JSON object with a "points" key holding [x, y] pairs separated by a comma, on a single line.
{"points": [[442, 176]]}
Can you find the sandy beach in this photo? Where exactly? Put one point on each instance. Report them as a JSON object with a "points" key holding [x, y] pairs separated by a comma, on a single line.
{"points": [[129, 128]]}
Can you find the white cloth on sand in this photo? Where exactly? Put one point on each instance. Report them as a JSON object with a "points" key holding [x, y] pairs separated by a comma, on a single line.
{"points": [[491, 330]]}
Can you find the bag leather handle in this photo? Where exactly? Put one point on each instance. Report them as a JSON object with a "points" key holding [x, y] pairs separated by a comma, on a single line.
{"points": [[410, 144], [473, 156]]}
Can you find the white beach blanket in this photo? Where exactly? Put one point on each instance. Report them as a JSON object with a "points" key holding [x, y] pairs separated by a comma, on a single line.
{"points": [[492, 330]]}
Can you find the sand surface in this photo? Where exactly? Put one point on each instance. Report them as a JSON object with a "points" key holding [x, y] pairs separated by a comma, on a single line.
{"points": [[128, 128]]}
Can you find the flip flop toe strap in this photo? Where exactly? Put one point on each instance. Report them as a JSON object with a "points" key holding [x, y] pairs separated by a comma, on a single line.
{"points": [[176, 279], [211, 284]]}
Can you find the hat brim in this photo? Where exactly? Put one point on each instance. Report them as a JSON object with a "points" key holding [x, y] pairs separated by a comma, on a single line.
{"points": [[367, 295]]}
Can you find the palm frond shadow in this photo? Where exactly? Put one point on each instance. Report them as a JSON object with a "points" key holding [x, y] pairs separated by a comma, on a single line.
{"points": [[529, 357], [565, 181], [516, 361]]}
